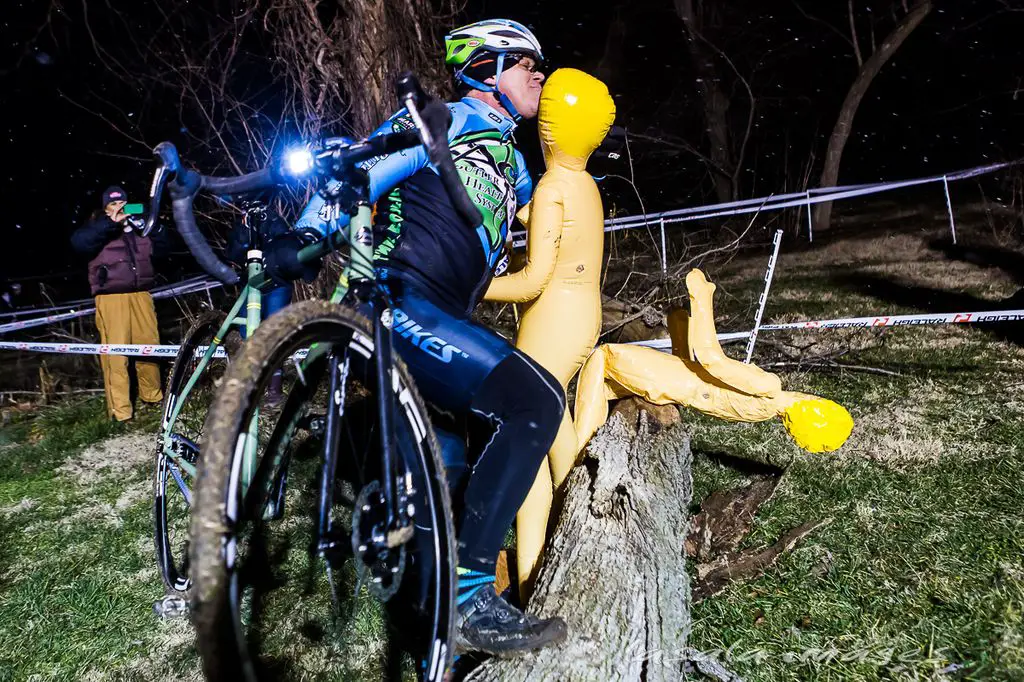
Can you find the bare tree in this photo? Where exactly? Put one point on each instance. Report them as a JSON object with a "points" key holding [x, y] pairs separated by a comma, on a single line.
{"points": [[246, 74], [244, 78], [340, 58], [725, 156], [868, 69]]}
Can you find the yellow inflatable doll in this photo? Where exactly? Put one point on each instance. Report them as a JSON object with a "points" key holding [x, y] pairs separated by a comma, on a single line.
{"points": [[699, 375], [561, 282]]}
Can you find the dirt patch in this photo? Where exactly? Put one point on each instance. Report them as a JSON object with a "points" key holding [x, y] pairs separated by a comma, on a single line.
{"points": [[893, 438], [26, 504], [134, 494], [899, 436], [115, 458], [122, 461]]}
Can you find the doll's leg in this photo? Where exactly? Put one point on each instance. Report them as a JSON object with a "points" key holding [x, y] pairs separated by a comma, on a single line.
{"points": [[703, 343], [531, 530], [592, 396]]}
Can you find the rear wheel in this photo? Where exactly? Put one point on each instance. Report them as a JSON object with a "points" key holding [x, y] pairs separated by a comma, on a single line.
{"points": [[177, 450], [262, 601]]}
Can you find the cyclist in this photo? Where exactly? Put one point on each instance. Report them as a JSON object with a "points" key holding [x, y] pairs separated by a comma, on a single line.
{"points": [[436, 271]]}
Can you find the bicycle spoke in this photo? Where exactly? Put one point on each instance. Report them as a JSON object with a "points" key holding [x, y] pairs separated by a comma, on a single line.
{"points": [[291, 567]]}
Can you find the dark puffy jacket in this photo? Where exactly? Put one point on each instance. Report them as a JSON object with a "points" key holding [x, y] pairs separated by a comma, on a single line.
{"points": [[121, 262]]}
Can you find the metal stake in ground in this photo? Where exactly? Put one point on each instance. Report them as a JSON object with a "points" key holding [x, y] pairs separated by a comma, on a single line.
{"points": [[776, 242], [664, 253], [810, 223], [949, 207]]}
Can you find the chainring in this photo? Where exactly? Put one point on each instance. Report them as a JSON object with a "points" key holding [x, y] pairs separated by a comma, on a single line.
{"points": [[378, 566], [184, 448]]}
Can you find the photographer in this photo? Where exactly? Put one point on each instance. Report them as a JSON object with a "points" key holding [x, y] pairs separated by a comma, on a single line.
{"points": [[120, 276]]}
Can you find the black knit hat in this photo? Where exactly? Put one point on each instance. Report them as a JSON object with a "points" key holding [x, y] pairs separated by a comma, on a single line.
{"points": [[114, 193]]}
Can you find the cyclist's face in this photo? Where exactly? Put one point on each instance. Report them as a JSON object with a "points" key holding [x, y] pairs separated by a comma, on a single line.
{"points": [[522, 84]]}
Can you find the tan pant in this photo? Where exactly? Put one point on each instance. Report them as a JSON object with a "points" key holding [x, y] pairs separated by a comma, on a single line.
{"points": [[124, 319]]}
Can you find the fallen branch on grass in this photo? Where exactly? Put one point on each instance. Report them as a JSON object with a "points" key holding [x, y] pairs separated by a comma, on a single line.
{"points": [[724, 521], [833, 365]]}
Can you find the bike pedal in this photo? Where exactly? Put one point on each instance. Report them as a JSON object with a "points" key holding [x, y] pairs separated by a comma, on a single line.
{"points": [[316, 424], [170, 606]]}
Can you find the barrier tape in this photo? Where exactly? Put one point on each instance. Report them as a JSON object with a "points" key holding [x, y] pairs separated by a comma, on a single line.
{"points": [[191, 281], [982, 317], [780, 201], [127, 349], [50, 319], [169, 351]]}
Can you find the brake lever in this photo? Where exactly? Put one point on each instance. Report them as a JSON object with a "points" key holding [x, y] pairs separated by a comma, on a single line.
{"points": [[170, 163]]}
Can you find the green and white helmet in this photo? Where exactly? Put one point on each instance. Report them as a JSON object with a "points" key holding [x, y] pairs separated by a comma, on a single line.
{"points": [[495, 35], [500, 37]]}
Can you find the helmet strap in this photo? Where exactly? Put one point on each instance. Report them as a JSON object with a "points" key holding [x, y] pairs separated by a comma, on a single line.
{"points": [[477, 85], [505, 101]]}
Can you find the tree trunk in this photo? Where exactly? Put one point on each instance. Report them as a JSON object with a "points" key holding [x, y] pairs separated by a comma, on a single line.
{"points": [[615, 567], [610, 66], [844, 124], [716, 102], [341, 56]]}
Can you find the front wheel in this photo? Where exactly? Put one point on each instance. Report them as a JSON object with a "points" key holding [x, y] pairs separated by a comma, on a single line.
{"points": [[269, 519]]}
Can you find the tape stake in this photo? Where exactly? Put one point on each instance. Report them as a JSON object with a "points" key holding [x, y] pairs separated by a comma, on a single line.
{"points": [[664, 253], [763, 301], [949, 207], [810, 223]]}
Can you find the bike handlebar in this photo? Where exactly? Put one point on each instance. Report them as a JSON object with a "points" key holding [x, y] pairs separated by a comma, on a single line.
{"points": [[432, 119], [183, 185], [250, 182]]}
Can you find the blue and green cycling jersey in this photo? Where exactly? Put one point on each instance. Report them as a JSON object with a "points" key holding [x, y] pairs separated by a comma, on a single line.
{"points": [[417, 231]]}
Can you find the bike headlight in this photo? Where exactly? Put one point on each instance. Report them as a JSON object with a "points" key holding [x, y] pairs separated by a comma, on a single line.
{"points": [[298, 161]]}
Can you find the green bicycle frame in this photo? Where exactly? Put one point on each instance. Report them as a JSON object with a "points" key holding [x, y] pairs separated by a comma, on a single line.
{"points": [[359, 267], [252, 297]]}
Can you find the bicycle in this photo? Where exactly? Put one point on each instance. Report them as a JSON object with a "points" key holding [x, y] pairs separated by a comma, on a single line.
{"points": [[380, 513], [198, 369]]}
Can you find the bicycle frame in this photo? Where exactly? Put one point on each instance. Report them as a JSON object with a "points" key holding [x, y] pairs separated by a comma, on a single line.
{"points": [[359, 276], [252, 297]]}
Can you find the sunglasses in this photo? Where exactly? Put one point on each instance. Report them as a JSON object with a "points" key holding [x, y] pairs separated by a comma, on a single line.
{"points": [[525, 61]]}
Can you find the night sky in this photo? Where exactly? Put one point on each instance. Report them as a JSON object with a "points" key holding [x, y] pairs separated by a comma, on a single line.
{"points": [[952, 97]]}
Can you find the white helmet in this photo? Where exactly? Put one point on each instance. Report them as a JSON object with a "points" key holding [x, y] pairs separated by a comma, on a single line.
{"points": [[495, 35], [500, 37]]}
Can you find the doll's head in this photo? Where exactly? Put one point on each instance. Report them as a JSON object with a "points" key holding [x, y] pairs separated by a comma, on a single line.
{"points": [[817, 424], [576, 112]]}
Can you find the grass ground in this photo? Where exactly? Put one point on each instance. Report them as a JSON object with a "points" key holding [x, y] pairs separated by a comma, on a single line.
{"points": [[77, 575], [920, 574]]}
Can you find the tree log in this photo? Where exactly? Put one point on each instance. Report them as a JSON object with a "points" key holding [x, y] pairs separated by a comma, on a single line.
{"points": [[615, 568]]}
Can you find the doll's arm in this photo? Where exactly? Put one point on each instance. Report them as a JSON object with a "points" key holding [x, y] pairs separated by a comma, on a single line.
{"points": [[543, 236]]}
